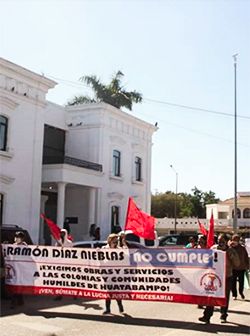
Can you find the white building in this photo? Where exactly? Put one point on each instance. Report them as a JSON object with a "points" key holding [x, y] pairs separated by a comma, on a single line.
{"points": [[223, 213], [81, 162]]}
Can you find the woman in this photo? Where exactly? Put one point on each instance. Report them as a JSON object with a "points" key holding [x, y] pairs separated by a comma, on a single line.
{"points": [[112, 242], [64, 241], [202, 242]]}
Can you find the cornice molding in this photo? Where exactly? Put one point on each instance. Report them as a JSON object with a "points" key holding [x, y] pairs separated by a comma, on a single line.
{"points": [[7, 102], [6, 179]]}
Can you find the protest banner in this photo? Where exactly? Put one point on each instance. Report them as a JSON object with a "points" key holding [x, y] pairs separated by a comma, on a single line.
{"points": [[172, 275]]}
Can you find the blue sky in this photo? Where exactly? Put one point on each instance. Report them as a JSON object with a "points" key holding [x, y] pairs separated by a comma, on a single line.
{"points": [[176, 52]]}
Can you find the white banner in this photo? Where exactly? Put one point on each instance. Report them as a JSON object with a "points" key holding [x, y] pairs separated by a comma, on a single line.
{"points": [[173, 275]]}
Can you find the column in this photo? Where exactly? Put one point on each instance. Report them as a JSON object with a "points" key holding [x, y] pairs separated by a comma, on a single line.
{"points": [[44, 199], [92, 206], [100, 216], [60, 203]]}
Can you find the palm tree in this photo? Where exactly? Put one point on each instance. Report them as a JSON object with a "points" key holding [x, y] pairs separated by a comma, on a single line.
{"points": [[113, 93]]}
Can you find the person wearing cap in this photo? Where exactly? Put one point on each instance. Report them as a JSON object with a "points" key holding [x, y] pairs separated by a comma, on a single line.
{"points": [[64, 241], [17, 299], [112, 242]]}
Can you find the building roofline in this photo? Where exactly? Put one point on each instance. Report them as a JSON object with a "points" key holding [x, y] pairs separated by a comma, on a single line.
{"points": [[27, 73], [112, 109]]}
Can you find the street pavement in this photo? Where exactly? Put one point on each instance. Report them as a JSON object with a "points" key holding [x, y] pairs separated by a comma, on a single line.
{"points": [[43, 316]]}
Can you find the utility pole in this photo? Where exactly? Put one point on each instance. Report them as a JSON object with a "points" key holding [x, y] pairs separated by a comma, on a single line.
{"points": [[175, 203], [235, 144]]}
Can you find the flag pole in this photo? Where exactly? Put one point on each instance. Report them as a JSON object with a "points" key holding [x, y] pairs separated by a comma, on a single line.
{"points": [[235, 218]]}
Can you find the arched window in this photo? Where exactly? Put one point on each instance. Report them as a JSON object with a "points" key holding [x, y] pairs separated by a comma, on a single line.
{"points": [[238, 213], [3, 132], [246, 213]]}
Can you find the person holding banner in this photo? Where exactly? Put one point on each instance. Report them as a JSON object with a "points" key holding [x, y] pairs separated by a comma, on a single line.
{"points": [[112, 242], [192, 243], [232, 261], [17, 299], [202, 242], [64, 241], [122, 239]]}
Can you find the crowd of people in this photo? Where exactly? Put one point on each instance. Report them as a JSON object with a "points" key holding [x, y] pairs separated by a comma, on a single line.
{"points": [[237, 264]]}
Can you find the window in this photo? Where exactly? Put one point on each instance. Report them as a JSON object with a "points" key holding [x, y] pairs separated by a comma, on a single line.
{"points": [[53, 145], [246, 213], [116, 163], [1, 209], [115, 218], [3, 132], [238, 213], [138, 165]]}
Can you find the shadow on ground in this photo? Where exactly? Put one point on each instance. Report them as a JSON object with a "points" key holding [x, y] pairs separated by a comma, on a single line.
{"points": [[37, 303], [35, 306], [231, 328]]}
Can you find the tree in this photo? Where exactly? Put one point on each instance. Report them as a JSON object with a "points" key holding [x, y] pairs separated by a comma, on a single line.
{"points": [[113, 93], [188, 205], [197, 200], [162, 205]]}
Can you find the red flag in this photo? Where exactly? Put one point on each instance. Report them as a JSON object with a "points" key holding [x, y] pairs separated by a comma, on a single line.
{"points": [[203, 230], [54, 229], [142, 224], [210, 235]]}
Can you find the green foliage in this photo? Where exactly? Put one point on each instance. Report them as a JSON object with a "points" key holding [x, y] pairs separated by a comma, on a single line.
{"points": [[81, 100], [112, 93], [188, 205], [162, 205]]}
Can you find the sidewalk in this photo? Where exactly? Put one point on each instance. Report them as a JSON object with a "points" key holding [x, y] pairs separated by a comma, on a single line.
{"points": [[43, 316]]}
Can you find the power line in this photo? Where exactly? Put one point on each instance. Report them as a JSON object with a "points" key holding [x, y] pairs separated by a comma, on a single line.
{"points": [[80, 84], [194, 108], [195, 131]]}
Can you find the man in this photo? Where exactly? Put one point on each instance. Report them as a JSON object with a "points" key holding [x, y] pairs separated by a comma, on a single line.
{"points": [[17, 299], [232, 260], [239, 272]]}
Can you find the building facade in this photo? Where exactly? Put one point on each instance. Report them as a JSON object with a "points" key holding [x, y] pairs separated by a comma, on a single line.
{"points": [[224, 211], [223, 214], [79, 162]]}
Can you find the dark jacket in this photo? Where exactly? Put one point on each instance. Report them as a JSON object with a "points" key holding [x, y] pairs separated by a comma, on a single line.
{"points": [[232, 259], [244, 261]]}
